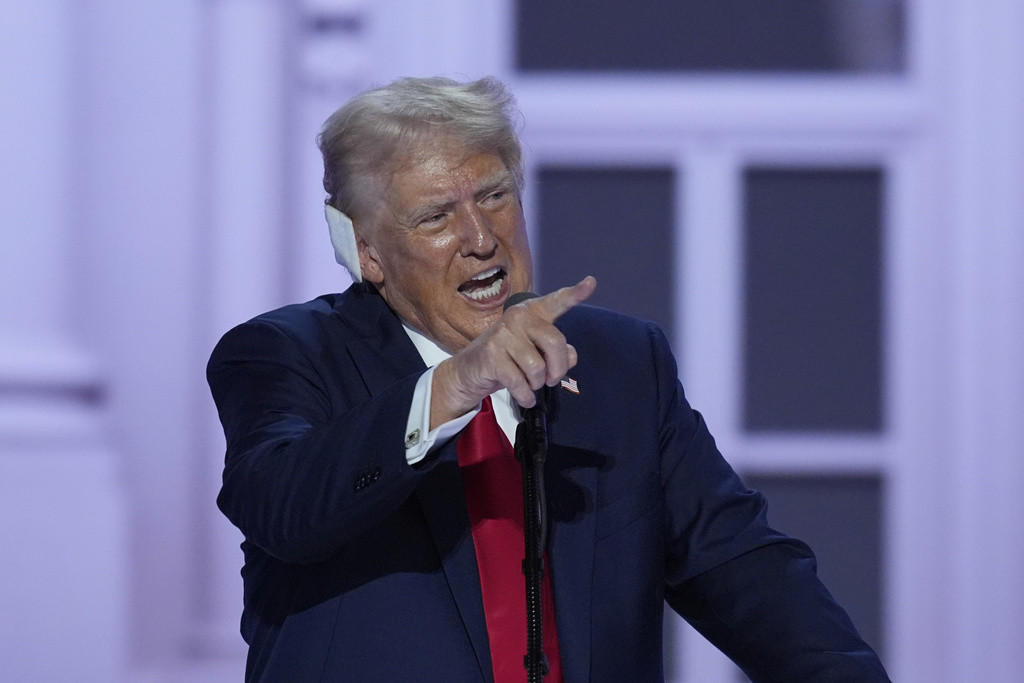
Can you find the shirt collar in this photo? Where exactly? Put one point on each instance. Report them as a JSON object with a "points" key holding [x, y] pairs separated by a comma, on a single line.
{"points": [[431, 353]]}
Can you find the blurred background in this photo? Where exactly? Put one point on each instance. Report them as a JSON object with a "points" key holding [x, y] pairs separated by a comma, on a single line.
{"points": [[821, 201]]}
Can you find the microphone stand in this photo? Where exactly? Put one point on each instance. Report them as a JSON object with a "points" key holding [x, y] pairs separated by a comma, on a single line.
{"points": [[531, 450]]}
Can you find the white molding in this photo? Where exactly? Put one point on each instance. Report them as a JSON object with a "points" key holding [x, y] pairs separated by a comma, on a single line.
{"points": [[50, 423], [247, 112], [983, 109], [808, 453], [710, 287], [719, 104], [249, 253], [64, 568], [41, 363]]}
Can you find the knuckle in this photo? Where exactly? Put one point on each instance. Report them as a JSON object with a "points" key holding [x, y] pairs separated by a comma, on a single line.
{"points": [[554, 339], [536, 380], [533, 365]]}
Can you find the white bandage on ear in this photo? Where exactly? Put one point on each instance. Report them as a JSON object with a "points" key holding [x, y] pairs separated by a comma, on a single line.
{"points": [[343, 237]]}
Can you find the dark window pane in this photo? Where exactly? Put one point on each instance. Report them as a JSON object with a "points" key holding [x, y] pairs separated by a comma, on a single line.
{"points": [[715, 35], [813, 300], [840, 517], [615, 224]]}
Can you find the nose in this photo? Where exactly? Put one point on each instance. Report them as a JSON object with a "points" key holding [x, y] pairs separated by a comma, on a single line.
{"points": [[476, 233]]}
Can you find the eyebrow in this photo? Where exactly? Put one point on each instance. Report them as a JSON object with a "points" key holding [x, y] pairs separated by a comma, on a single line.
{"points": [[498, 179]]}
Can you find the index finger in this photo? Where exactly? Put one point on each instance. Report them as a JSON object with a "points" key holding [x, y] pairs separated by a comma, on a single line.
{"points": [[561, 300]]}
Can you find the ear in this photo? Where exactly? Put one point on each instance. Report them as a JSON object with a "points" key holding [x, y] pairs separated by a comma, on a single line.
{"points": [[369, 261]]}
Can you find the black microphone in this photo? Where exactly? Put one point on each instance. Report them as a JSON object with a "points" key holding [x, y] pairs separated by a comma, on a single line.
{"points": [[518, 298]]}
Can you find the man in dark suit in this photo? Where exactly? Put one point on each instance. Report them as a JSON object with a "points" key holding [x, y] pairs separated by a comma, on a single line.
{"points": [[365, 516]]}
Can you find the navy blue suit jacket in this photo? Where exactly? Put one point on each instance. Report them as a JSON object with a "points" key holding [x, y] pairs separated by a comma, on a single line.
{"points": [[359, 567]]}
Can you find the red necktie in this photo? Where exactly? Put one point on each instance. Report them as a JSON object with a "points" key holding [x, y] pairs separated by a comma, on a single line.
{"points": [[493, 481]]}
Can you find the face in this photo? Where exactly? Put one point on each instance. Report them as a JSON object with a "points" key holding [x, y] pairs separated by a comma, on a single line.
{"points": [[448, 245]]}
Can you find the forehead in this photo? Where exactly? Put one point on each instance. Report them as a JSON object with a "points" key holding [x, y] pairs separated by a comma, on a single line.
{"points": [[441, 166]]}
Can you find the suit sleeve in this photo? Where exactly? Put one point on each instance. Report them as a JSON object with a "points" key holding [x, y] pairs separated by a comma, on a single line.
{"points": [[307, 468], [753, 592]]}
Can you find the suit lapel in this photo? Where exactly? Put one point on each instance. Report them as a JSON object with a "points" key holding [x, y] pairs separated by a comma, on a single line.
{"points": [[385, 356], [386, 353]]}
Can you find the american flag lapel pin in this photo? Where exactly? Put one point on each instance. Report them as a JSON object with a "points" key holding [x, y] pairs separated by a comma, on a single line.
{"points": [[570, 384]]}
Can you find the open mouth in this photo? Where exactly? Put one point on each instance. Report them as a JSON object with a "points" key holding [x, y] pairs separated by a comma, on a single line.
{"points": [[484, 286]]}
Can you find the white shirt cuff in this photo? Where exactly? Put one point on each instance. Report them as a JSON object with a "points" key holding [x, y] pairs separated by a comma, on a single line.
{"points": [[419, 438]]}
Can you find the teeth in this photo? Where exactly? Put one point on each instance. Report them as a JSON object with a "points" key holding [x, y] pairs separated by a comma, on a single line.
{"points": [[486, 274], [486, 292]]}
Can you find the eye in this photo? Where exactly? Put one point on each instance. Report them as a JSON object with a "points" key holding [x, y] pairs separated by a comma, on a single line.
{"points": [[433, 220], [496, 197]]}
